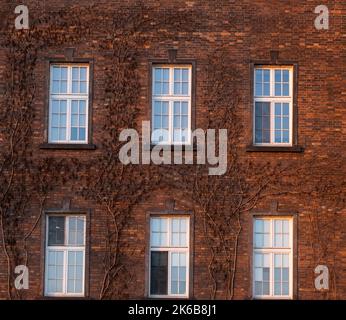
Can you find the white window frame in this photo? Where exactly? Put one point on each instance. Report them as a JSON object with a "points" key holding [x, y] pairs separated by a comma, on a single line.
{"points": [[272, 251], [69, 96], [169, 251], [170, 98], [65, 249], [272, 99]]}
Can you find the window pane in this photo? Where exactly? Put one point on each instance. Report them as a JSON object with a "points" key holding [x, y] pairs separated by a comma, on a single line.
{"points": [[177, 75], [259, 240], [74, 133], [285, 76], [258, 75], [56, 87], [63, 73], [55, 120], [82, 135], [259, 226], [277, 75], [75, 74], [185, 88], [258, 288], [285, 288], [285, 136], [75, 272], [83, 74], [55, 134], [159, 230], [177, 88], [285, 109], [266, 240], [184, 122], [266, 288], [74, 120], [277, 274], [165, 88], [76, 231], [56, 231], [179, 270], [158, 74], [157, 87], [285, 123], [266, 89], [258, 89], [184, 108], [185, 75], [55, 106], [266, 75], [262, 123], [56, 73], [176, 122], [166, 75], [285, 89], [278, 89], [159, 273], [63, 86], [277, 288], [83, 87], [82, 107], [55, 271], [278, 136], [285, 274]]}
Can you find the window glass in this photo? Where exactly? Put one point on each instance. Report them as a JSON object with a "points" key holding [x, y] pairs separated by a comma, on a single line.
{"points": [[272, 106], [159, 273], [56, 233], [169, 246], [68, 104], [272, 257]]}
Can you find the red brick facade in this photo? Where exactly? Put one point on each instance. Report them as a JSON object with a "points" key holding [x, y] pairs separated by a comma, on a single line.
{"points": [[247, 32]]}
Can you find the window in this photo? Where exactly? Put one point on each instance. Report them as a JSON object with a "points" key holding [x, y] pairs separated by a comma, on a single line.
{"points": [[68, 103], [273, 115], [169, 257], [65, 255], [272, 258], [171, 104]]}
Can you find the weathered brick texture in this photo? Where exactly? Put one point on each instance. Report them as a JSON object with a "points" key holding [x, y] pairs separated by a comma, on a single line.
{"points": [[247, 30]]}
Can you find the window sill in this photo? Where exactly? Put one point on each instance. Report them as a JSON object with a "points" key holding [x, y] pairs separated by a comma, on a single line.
{"points": [[166, 297], [292, 149], [68, 146], [62, 297]]}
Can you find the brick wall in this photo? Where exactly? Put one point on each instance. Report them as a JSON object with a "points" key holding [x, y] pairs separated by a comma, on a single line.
{"points": [[248, 30]]}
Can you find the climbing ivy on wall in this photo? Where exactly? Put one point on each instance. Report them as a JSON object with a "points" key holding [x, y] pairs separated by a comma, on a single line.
{"points": [[28, 177]]}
